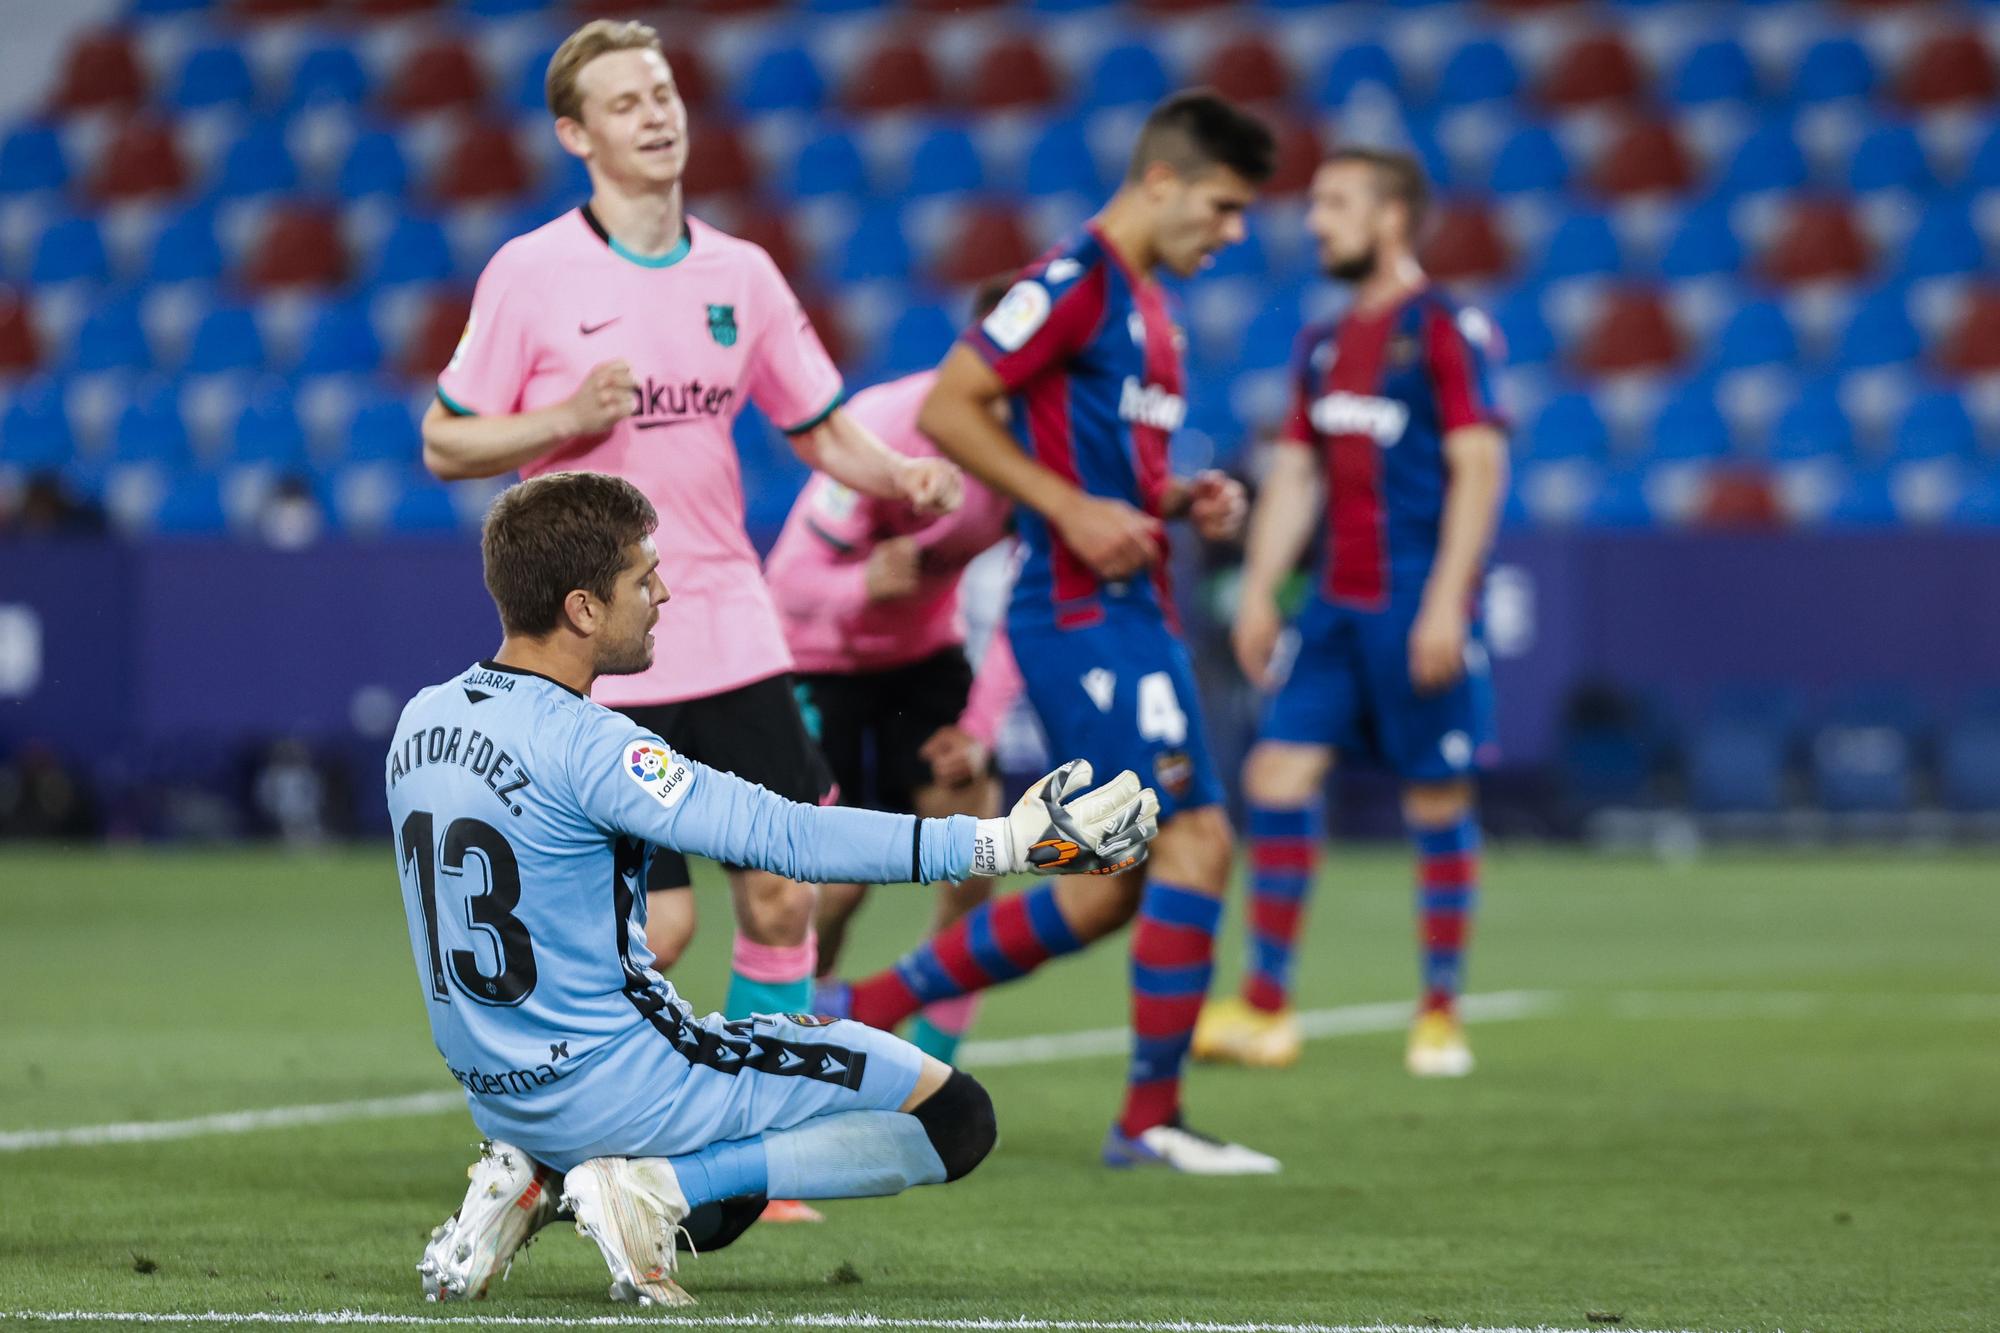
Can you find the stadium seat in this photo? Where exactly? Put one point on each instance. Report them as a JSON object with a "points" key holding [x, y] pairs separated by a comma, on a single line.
{"points": [[1866, 499], [150, 428], [1464, 245], [1833, 68], [1947, 69], [1269, 337], [876, 248], [142, 159], [299, 245], [101, 71], [70, 248], [424, 506], [782, 77], [896, 76], [267, 430], [1945, 242], [769, 231], [435, 336], [985, 240], [1583, 244], [828, 164], [190, 506], [226, 339], [1982, 168], [1716, 70], [374, 165], [1969, 757], [111, 338], [1689, 426], [440, 74], [917, 339], [1863, 755], [1356, 64], [1737, 766], [20, 349], [1757, 334], [1594, 68], [328, 74], [1889, 157], [1127, 74], [1704, 243], [185, 247], [1479, 71], [1611, 747], [1937, 425], [1531, 159], [944, 161], [1645, 158], [383, 429], [1010, 74], [257, 163], [213, 76], [1818, 241], [1060, 161], [483, 162], [1568, 427], [1633, 331], [34, 428], [723, 164], [1247, 69], [414, 250], [1298, 156], [1879, 332], [31, 159], [1972, 345], [1524, 329], [340, 340]]}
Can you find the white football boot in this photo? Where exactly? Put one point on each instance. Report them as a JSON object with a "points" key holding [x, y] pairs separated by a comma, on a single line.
{"points": [[1188, 1151], [633, 1208], [511, 1197]]}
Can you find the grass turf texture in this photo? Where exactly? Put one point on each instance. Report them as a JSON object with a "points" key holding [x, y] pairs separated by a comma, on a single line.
{"points": [[1793, 1127]]}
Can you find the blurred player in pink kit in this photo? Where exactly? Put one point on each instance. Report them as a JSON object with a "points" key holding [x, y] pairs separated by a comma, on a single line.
{"points": [[869, 593], [625, 337]]}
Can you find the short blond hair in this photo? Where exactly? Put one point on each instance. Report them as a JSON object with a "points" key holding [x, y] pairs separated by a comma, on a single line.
{"points": [[584, 45]]}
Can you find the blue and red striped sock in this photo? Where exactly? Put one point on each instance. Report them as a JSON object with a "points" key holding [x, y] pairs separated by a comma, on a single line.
{"points": [[1173, 953], [1284, 847], [994, 942], [1447, 886]]}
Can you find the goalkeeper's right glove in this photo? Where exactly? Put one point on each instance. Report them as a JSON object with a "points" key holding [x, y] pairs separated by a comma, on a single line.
{"points": [[1059, 828]]}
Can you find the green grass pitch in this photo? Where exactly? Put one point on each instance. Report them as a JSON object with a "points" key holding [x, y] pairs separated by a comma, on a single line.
{"points": [[1759, 1092]]}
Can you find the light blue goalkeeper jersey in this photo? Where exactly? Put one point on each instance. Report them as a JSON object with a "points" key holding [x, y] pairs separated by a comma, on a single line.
{"points": [[524, 817]]}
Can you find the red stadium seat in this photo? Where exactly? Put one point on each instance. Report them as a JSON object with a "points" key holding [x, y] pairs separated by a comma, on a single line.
{"points": [[691, 74], [435, 76], [954, 6], [895, 76], [1298, 157], [769, 230], [141, 160], [1645, 158], [1465, 245], [299, 247], [391, 8], [1972, 347], [1592, 69], [278, 9], [483, 162], [1739, 498], [1012, 72], [1527, 6], [1818, 241], [1247, 70], [719, 163], [826, 323], [1632, 332], [19, 349], [987, 239], [1950, 67], [435, 338], [101, 70], [1177, 6]]}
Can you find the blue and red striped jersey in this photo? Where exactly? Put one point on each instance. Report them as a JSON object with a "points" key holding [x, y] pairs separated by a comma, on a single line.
{"points": [[1092, 362], [1376, 395]]}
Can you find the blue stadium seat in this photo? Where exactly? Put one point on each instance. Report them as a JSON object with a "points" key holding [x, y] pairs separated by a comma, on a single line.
{"points": [[1833, 67], [1584, 243], [1979, 505], [415, 250], [1479, 71], [945, 161], [1690, 426], [70, 248], [31, 158], [340, 340], [1530, 342], [1269, 337], [530, 86], [154, 8], [331, 73], [112, 338], [191, 507], [1737, 765], [268, 429], [1969, 758], [1866, 501], [1568, 426], [1814, 425], [1945, 241], [916, 339], [1889, 157], [876, 248], [1245, 259], [501, 8], [213, 76], [1621, 501], [424, 506], [35, 430], [226, 339], [1758, 334], [150, 428], [1531, 159], [383, 429], [258, 163], [1129, 74], [374, 165], [1863, 755], [1769, 158], [185, 248], [1936, 425], [783, 77], [1704, 243], [830, 164], [1356, 64], [1982, 170], [1879, 332], [1060, 161], [1717, 70]]}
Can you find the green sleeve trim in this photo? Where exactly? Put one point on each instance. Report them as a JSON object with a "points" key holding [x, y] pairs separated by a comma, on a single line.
{"points": [[452, 405], [819, 417]]}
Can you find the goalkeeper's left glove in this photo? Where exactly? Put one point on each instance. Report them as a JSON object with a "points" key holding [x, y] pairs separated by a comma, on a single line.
{"points": [[1060, 828]]}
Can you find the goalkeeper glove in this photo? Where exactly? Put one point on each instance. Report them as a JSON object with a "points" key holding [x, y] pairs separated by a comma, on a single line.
{"points": [[1059, 827]]}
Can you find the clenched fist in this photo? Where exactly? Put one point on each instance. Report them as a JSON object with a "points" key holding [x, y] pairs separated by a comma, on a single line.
{"points": [[606, 397]]}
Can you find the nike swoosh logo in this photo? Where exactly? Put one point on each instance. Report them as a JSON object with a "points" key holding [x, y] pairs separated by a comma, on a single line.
{"points": [[587, 329], [662, 425]]}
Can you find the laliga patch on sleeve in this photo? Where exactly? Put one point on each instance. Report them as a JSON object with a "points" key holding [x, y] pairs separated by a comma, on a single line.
{"points": [[834, 500], [464, 340], [665, 776], [1021, 311], [1476, 328]]}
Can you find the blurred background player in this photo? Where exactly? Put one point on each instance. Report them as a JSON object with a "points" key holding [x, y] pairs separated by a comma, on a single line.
{"points": [[869, 593], [1085, 354], [1393, 442], [629, 280]]}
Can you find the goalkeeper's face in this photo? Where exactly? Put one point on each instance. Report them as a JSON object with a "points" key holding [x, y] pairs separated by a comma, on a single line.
{"points": [[1349, 219], [625, 634]]}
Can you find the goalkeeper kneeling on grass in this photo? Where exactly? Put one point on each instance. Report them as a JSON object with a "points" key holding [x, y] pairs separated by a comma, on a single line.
{"points": [[525, 816]]}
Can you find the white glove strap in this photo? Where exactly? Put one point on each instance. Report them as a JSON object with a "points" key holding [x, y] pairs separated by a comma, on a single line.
{"points": [[993, 849]]}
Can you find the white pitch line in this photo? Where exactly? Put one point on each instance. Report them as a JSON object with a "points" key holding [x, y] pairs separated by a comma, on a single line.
{"points": [[344, 1318], [1355, 1018]]}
